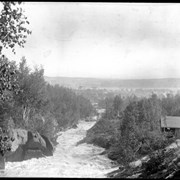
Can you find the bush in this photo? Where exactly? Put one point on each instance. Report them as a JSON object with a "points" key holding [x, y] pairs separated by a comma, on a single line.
{"points": [[5, 144]]}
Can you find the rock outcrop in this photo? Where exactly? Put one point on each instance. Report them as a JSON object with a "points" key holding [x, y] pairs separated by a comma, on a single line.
{"points": [[27, 145], [49, 146]]}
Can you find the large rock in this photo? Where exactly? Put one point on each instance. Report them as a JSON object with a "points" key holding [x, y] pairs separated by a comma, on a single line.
{"points": [[35, 141], [17, 155], [33, 154], [19, 136], [49, 146], [27, 145]]}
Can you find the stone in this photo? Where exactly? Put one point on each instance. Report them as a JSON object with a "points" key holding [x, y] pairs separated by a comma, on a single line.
{"points": [[20, 137], [49, 147], [16, 156], [28, 145], [29, 154], [35, 141]]}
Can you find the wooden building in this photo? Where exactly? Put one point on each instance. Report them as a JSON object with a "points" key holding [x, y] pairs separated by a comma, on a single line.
{"points": [[171, 124]]}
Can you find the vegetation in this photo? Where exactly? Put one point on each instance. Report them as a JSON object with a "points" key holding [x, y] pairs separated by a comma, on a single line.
{"points": [[13, 26], [130, 127], [26, 100], [5, 142], [13, 32], [171, 104], [41, 107]]}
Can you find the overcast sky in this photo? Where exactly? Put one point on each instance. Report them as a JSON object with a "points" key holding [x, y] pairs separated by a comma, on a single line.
{"points": [[106, 40]]}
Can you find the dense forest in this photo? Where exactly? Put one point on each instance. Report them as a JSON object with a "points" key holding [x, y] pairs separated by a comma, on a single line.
{"points": [[130, 127], [35, 105]]}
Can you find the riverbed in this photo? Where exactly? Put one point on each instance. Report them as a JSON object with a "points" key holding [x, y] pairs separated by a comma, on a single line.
{"points": [[68, 160]]}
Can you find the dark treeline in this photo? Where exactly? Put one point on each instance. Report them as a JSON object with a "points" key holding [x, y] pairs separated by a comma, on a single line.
{"points": [[131, 126], [29, 102]]}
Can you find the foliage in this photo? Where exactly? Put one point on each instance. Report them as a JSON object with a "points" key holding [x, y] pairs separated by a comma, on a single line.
{"points": [[5, 142], [103, 133], [66, 106], [115, 106], [171, 105], [13, 32], [12, 25], [8, 78], [137, 128], [38, 106], [140, 130]]}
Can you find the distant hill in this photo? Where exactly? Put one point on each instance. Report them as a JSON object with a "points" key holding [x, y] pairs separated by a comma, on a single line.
{"points": [[74, 82]]}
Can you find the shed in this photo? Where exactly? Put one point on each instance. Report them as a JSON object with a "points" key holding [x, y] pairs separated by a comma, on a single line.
{"points": [[171, 123]]}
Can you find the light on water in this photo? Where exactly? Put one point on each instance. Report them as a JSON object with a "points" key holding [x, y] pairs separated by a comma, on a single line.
{"points": [[68, 160]]}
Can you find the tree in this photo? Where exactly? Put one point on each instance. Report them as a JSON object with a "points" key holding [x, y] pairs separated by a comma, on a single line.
{"points": [[8, 78], [32, 98], [140, 131], [12, 26], [117, 105], [109, 108], [12, 32]]}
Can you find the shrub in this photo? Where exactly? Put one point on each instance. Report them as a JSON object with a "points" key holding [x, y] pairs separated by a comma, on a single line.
{"points": [[5, 144]]}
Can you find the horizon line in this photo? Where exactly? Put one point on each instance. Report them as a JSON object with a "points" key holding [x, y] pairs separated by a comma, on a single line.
{"points": [[80, 77]]}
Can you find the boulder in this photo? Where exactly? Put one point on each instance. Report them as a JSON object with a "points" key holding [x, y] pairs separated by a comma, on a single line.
{"points": [[35, 141], [49, 146], [19, 140], [27, 145], [16, 156], [19, 136], [29, 154]]}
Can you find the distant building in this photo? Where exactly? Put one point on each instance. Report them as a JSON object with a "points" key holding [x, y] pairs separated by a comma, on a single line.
{"points": [[171, 124]]}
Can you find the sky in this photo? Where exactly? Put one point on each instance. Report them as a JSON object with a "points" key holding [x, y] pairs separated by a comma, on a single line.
{"points": [[103, 40]]}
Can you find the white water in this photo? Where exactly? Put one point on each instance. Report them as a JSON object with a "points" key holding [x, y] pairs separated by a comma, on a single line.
{"points": [[68, 160]]}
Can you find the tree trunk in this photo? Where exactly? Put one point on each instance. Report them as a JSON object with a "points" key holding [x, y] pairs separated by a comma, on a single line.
{"points": [[26, 112]]}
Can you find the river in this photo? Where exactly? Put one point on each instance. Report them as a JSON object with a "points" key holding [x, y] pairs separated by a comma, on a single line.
{"points": [[69, 160]]}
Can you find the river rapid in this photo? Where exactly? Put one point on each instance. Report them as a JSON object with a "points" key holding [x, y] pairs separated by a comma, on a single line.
{"points": [[69, 160]]}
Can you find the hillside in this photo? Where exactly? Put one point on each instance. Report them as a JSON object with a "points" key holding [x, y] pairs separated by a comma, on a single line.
{"points": [[114, 83]]}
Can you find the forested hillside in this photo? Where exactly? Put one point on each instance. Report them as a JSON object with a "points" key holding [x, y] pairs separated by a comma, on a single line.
{"points": [[130, 127], [36, 105], [114, 83]]}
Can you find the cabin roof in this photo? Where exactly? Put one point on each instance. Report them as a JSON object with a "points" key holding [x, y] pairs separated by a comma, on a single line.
{"points": [[170, 122]]}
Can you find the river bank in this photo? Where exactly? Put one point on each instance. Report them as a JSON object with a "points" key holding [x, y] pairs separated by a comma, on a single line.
{"points": [[68, 160]]}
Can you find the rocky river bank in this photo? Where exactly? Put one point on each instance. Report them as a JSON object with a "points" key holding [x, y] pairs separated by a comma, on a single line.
{"points": [[68, 160]]}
